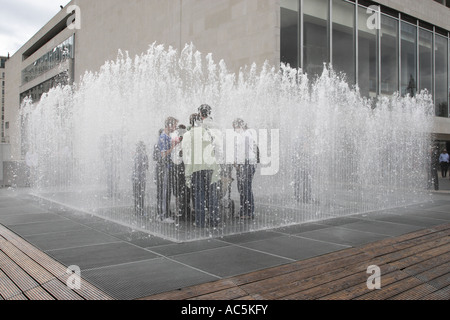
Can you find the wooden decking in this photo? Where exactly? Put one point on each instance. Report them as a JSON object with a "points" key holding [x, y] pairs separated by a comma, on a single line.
{"points": [[413, 266], [26, 273]]}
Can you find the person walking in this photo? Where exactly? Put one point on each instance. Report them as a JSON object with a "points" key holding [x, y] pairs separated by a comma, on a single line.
{"points": [[444, 162], [201, 170], [245, 163], [139, 178]]}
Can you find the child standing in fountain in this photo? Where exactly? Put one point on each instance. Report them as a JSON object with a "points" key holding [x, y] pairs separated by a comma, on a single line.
{"points": [[140, 178], [165, 179], [245, 163]]}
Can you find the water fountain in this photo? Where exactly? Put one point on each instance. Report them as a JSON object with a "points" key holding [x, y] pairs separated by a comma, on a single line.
{"points": [[357, 155]]}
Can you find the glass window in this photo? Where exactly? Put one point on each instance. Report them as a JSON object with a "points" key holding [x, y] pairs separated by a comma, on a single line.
{"points": [[425, 60], [289, 33], [49, 60], [367, 56], [343, 38], [36, 92], [409, 59], [315, 17], [441, 80]]}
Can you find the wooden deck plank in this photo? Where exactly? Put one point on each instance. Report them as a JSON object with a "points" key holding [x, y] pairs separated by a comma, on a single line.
{"points": [[300, 283], [415, 293], [227, 294], [193, 291], [38, 293], [430, 269], [247, 298], [411, 251], [20, 296], [40, 274], [293, 279], [443, 253], [22, 280], [296, 266], [54, 267], [320, 289], [391, 290], [361, 289], [91, 292], [28, 260], [87, 290], [60, 291], [316, 287], [441, 282], [442, 294], [8, 288]]}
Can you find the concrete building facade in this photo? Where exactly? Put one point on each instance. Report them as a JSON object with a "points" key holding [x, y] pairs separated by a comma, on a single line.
{"points": [[412, 40], [2, 95]]}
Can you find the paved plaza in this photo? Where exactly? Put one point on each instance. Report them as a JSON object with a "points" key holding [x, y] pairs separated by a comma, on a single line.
{"points": [[126, 264]]}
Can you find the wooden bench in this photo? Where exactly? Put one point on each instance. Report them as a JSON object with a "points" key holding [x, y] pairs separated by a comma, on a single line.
{"points": [[27, 273], [413, 266]]}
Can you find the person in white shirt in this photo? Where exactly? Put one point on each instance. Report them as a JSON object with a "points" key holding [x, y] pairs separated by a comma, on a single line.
{"points": [[202, 170], [245, 163], [444, 162]]}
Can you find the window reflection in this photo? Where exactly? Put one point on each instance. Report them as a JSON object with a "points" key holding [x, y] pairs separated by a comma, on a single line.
{"points": [[389, 55], [441, 81], [343, 39], [289, 33], [400, 57], [425, 60], [367, 56], [409, 59], [36, 92], [48, 61], [315, 45]]}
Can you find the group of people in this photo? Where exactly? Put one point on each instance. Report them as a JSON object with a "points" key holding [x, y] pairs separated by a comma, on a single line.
{"points": [[189, 165]]}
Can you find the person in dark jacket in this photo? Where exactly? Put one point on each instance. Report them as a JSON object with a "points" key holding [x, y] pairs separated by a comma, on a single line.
{"points": [[165, 176]]}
